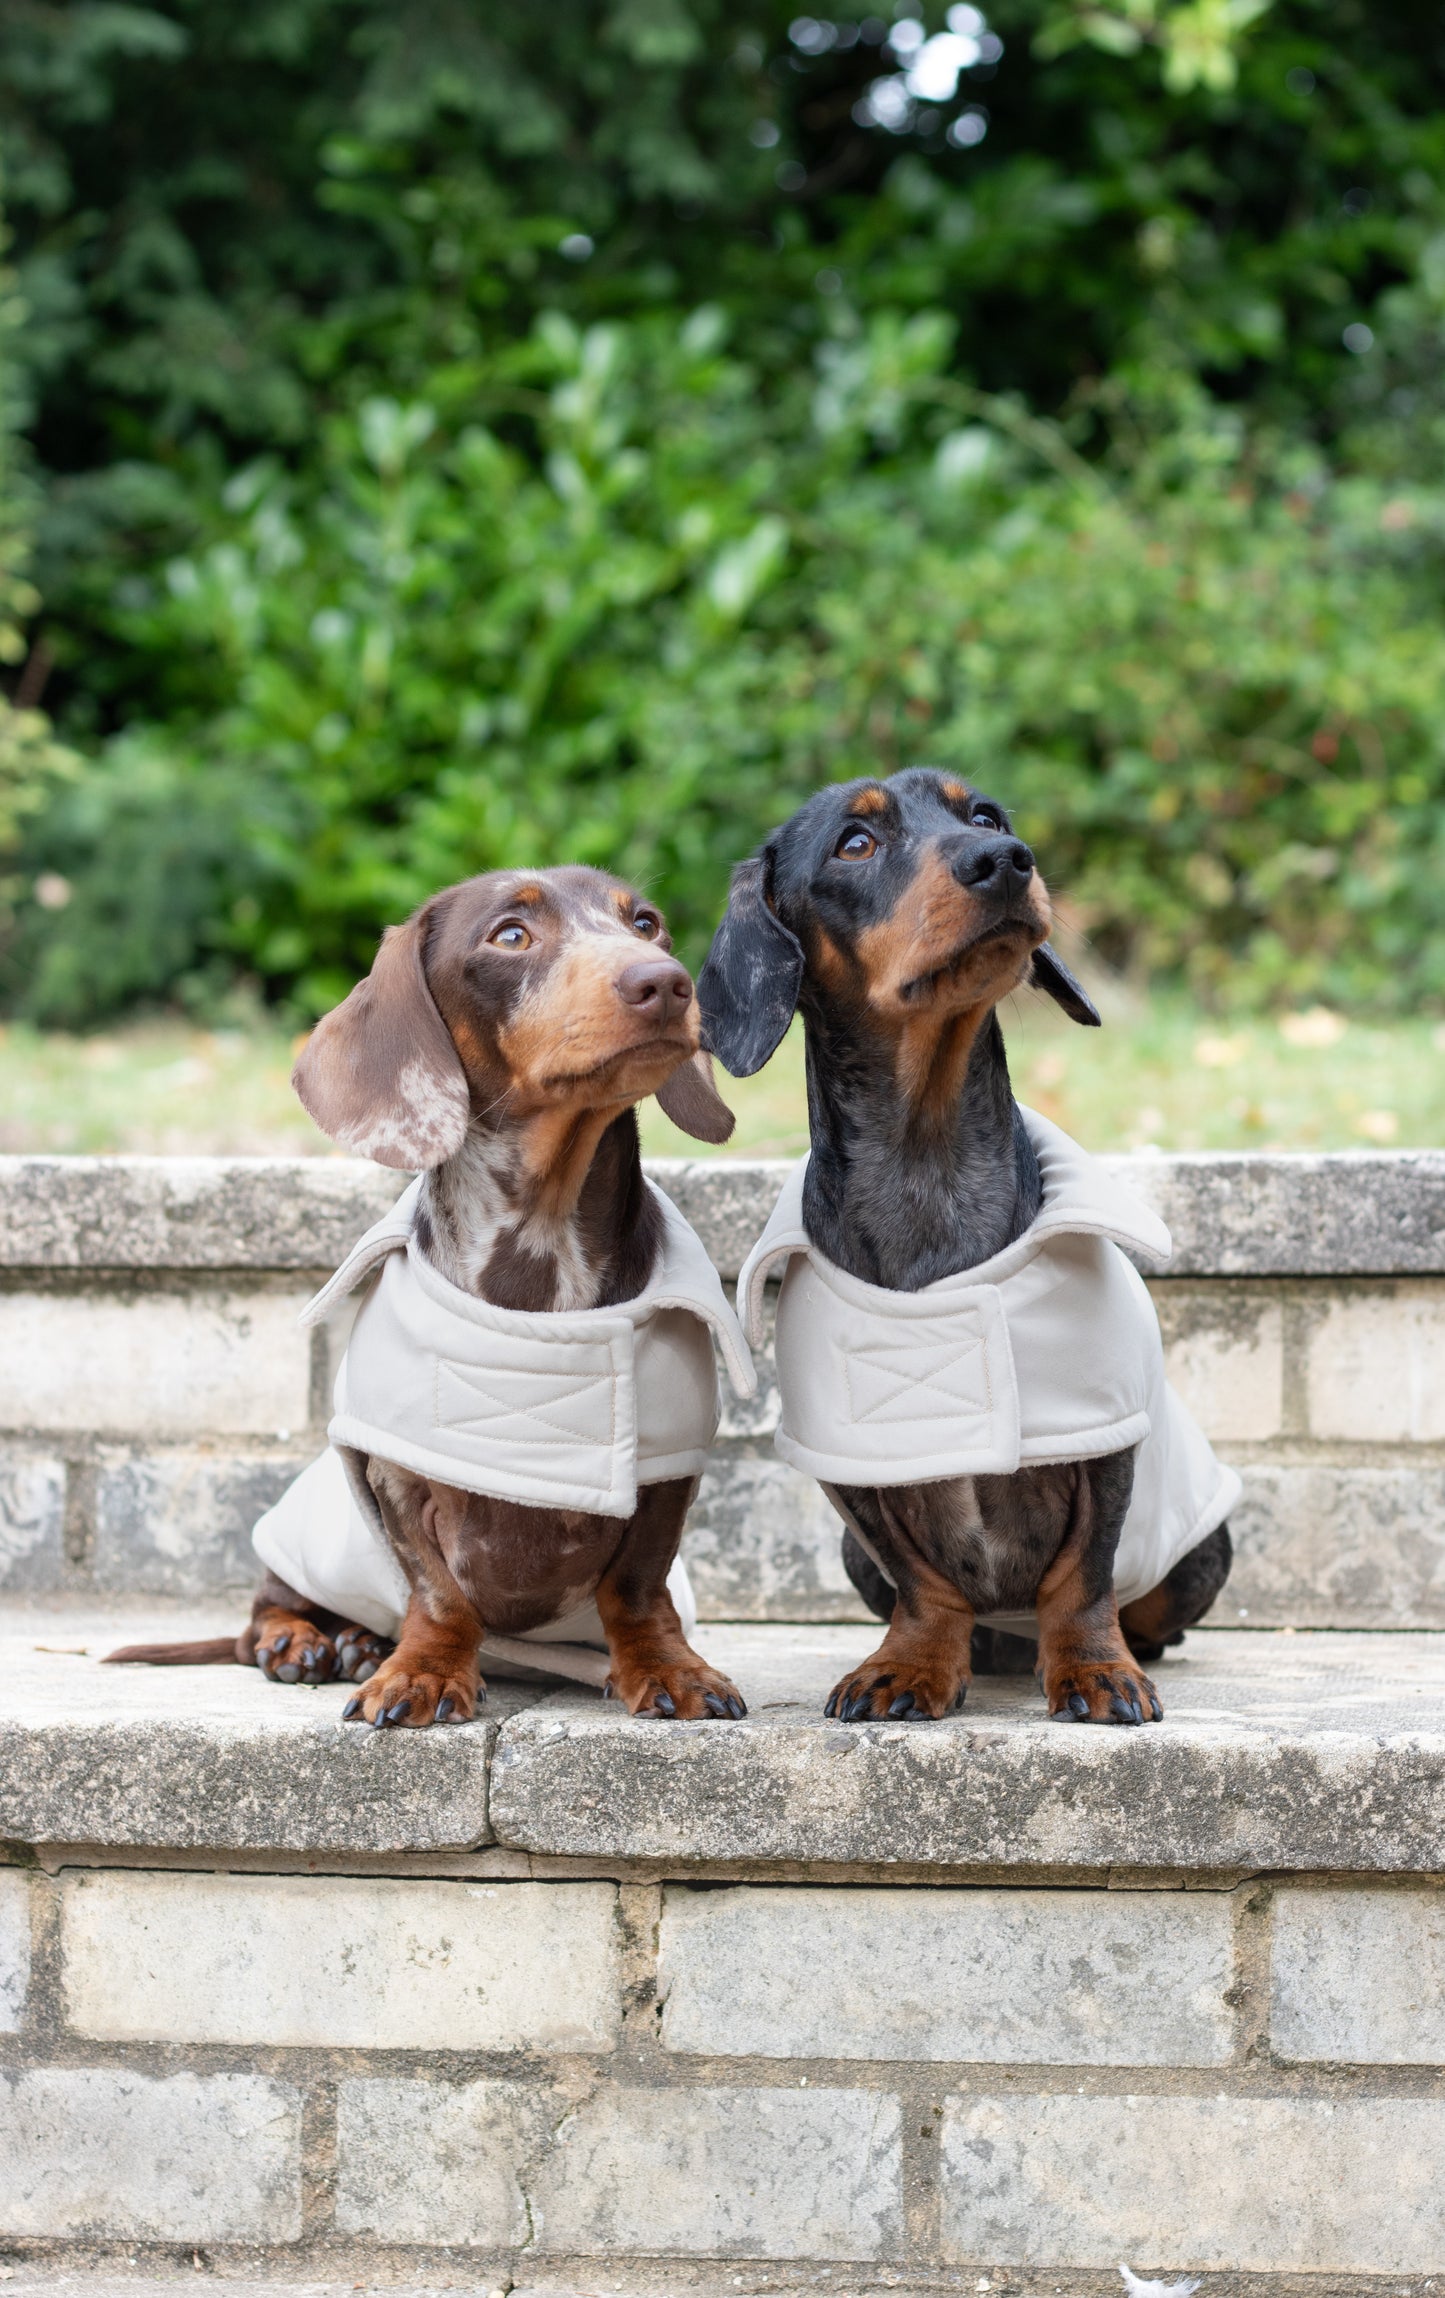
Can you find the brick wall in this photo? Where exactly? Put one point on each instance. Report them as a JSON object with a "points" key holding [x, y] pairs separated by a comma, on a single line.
{"points": [[1240, 2077]]}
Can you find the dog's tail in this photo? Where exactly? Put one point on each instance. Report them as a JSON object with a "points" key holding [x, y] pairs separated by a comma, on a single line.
{"points": [[214, 1652]]}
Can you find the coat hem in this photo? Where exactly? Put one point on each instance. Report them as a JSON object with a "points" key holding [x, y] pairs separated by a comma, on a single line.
{"points": [[354, 1435], [1089, 1444]]}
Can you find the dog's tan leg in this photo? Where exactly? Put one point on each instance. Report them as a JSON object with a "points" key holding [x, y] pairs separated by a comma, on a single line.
{"points": [[1088, 1671], [433, 1675], [921, 1668], [655, 1671]]}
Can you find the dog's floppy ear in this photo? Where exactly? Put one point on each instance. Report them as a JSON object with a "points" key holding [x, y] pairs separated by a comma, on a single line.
{"points": [[748, 989], [380, 1074], [692, 1101], [1051, 974]]}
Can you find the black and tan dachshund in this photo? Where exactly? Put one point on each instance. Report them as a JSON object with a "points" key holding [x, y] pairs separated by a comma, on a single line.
{"points": [[895, 915]]}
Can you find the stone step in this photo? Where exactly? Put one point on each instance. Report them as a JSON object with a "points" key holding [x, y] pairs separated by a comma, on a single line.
{"points": [[201, 2276], [561, 2002], [186, 2279], [1279, 1750]]}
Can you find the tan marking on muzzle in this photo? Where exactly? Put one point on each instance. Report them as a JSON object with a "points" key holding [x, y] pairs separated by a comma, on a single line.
{"points": [[571, 1039], [925, 934]]}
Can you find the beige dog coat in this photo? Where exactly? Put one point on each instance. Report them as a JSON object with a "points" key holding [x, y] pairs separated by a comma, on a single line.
{"points": [[572, 1409], [1050, 1351]]}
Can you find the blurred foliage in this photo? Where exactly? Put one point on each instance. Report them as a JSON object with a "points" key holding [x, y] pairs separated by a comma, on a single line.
{"points": [[32, 763], [470, 434]]}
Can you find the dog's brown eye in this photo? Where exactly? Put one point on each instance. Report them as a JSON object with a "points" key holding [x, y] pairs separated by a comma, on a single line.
{"points": [[856, 846], [510, 937], [646, 924]]}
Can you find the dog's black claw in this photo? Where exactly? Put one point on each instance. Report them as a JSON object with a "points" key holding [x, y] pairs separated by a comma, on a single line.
{"points": [[903, 1705], [737, 1706], [1122, 1713], [858, 1707], [830, 1707], [402, 1708], [1155, 1710], [366, 1671], [607, 1692], [444, 1709], [288, 1673], [379, 1720], [263, 1657], [1078, 1705], [665, 1704], [281, 1642], [352, 1708], [1135, 1709], [713, 1704]]}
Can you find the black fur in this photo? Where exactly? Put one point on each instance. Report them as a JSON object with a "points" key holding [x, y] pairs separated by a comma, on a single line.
{"points": [[1051, 974], [748, 989], [900, 1190]]}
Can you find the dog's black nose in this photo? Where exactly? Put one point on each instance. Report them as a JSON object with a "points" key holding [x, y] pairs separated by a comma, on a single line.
{"points": [[658, 982], [994, 865]]}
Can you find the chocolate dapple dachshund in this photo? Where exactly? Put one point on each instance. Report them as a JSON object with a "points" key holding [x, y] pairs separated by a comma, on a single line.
{"points": [[499, 1045], [895, 915]]}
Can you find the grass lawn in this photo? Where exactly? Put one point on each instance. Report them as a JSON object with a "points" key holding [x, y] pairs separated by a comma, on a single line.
{"points": [[1159, 1074]]}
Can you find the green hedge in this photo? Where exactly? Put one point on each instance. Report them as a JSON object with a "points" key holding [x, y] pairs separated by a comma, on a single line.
{"points": [[1215, 701], [1057, 473]]}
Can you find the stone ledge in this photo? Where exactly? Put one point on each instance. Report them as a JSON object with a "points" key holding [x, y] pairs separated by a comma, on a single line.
{"points": [[1348, 1213], [1344, 1213], [1279, 1751], [212, 1757], [187, 1212]]}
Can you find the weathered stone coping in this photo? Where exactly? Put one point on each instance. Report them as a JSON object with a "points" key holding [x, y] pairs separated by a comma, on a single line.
{"points": [[1348, 1213], [183, 1757], [1279, 1751]]}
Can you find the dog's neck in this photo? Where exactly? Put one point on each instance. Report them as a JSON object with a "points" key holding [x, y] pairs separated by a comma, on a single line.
{"points": [[543, 1218], [903, 1189]]}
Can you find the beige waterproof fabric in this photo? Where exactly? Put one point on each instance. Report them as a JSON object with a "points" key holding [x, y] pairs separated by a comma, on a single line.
{"points": [[574, 1410], [1048, 1352]]}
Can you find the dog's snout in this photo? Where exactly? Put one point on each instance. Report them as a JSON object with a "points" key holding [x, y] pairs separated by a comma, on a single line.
{"points": [[659, 983], [994, 865]]}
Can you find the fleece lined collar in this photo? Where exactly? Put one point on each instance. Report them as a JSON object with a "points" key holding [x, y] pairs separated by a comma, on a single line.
{"points": [[1079, 1199]]}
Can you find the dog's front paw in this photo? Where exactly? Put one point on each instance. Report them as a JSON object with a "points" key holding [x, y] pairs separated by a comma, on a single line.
{"points": [[887, 1689], [415, 1690], [1107, 1692], [686, 1689]]}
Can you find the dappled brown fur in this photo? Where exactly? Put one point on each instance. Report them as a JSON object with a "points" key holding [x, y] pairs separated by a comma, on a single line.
{"points": [[501, 1043]]}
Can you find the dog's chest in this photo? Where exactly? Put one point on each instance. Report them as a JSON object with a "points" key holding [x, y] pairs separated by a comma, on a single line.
{"points": [[947, 1524], [992, 1536]]}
